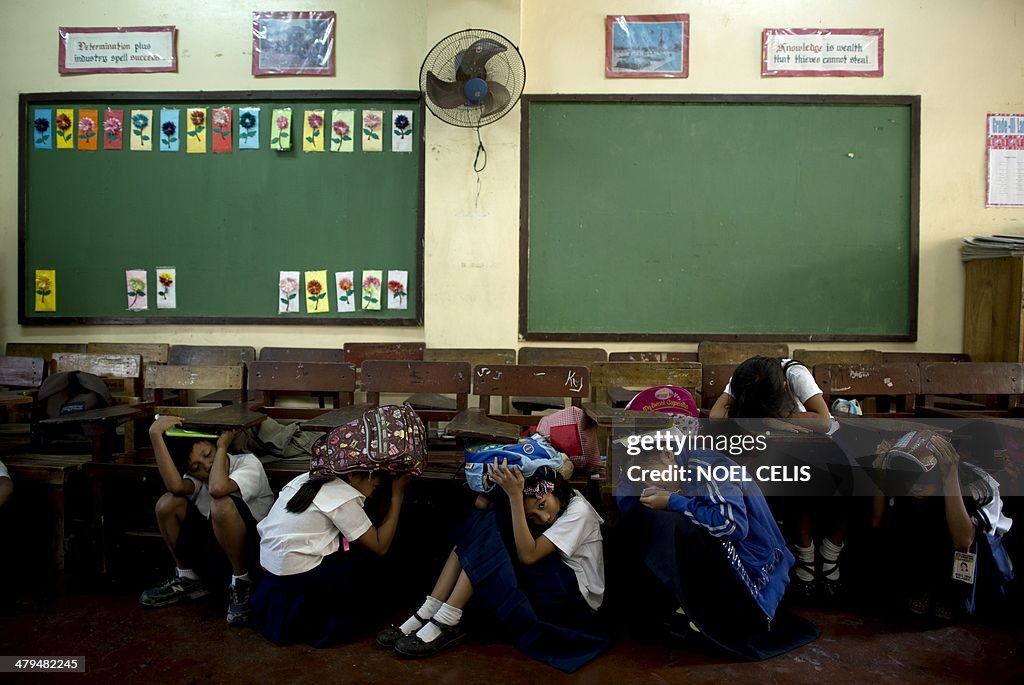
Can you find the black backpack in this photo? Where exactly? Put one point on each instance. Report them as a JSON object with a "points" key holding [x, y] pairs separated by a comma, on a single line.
{"points": [[65, 393]]}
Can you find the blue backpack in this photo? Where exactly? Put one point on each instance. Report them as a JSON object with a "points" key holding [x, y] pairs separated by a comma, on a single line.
{"points": [[529, 454]]}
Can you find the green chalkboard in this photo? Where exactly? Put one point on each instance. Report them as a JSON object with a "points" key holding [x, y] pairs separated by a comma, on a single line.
{"points": [[719, 217], [228, 223]]}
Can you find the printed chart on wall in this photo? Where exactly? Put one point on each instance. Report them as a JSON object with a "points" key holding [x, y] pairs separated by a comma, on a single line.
{"points": [[1005, 147], [229, 207]]}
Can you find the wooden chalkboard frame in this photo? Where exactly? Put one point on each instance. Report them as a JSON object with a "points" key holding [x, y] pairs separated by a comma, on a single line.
{"points": [[26, 101], [914, 103]]}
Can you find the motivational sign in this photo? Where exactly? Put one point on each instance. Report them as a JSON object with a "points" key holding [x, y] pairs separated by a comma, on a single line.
{"points": [[822, 52], [1004, 145], [99, 50]]}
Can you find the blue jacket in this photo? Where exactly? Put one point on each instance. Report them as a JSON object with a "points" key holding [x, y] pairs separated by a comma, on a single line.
{"points": [[736, 513]]}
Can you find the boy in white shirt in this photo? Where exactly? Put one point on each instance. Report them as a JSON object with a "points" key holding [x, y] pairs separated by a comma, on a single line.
{"points": [[208, 514]]}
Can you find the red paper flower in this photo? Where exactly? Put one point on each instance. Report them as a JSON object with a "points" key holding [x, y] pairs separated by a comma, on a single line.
{"points": [[395, 287], [63, 122], [315, 120], [314, 287], [198, 117]]}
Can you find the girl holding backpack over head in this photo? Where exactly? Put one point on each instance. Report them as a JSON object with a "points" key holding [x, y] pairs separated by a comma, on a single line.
{"points": [[318, 546], [536, 564], [785, 394]]}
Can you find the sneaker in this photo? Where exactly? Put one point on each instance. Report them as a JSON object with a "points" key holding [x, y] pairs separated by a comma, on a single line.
{"points": [[173, 591], [412, 646], [238, 602]]}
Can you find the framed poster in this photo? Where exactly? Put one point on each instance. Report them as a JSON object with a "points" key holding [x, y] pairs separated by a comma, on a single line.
{"points": [[647, 46], [293, 43]]}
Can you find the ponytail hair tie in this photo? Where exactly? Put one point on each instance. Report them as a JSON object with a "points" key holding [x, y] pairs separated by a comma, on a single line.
{"points": [[539, 489]]}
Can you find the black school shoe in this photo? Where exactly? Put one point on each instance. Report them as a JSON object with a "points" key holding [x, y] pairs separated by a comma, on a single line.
{"points": [[413, 647], [392, 634]]}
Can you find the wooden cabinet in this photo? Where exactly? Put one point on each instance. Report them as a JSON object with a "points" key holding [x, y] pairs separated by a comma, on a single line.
{"points": [[993, 320]]}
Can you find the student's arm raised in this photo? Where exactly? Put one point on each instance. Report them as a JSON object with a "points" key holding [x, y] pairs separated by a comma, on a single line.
{"points": [[529, 549], [378, 540], [220, 483], [720, 410], [175, 484]]}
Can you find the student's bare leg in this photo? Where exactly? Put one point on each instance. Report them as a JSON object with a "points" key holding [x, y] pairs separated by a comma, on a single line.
{"points": [[806, 526], [230, 531], [450, 575], [170, 514], [462, 593]]}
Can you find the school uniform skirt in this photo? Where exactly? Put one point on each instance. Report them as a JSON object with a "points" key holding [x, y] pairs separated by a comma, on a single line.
{"points": [[539, 605], [693, 569], [323, 606]]}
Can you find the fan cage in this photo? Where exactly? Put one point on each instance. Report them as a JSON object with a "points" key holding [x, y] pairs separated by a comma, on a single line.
{"points": [[506, 68]]}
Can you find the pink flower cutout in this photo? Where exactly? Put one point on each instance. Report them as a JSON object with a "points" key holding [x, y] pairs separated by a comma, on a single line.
{"points": [[372, 121], [112, 126], [220, 118]]}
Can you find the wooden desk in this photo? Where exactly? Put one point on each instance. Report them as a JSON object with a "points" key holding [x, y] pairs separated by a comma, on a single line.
{"points": [[99, 425], [13, 398], [620, 397], [55, 472], [334, 418], [232, 417], [474, 424]]}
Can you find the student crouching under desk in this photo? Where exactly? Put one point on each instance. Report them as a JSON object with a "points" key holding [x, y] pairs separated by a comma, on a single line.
{"points": [[320, 550], [719, 558], [784, 393], [535, 561], [208, 517]]}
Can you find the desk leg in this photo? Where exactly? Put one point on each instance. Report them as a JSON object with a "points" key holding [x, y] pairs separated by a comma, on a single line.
{"points": [[57, 499], [99, 522]]}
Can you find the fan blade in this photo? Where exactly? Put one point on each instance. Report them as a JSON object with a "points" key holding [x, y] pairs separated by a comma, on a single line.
{"points": [[497, 98], [474, 60], [444, 94]]}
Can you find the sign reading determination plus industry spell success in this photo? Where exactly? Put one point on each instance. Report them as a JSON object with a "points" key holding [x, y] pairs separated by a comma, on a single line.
{"points": [[103, 50]]}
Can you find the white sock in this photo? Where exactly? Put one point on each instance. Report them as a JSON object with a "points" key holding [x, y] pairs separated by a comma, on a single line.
{"points": [[427, 611], [235, 579], [187, 573], [806, 555], [447, 614], [829, 552]]}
